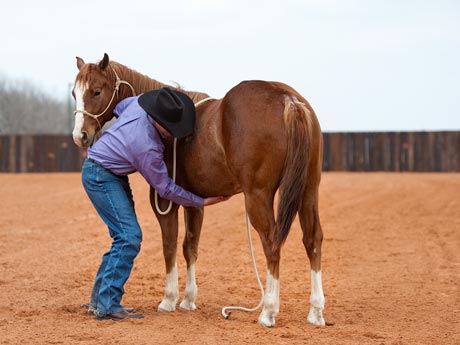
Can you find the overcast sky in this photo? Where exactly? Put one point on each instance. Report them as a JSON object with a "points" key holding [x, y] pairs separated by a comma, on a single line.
{"points": [[364, 65]]}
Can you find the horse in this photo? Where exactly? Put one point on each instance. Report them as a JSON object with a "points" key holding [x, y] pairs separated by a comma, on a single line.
{"points": [[260, 139]]}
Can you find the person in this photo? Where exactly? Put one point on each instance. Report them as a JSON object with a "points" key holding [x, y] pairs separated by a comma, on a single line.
{"points": [[133, 143]]}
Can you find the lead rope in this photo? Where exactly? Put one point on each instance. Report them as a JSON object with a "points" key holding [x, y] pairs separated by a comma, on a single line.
{"points": [[163, 213], [174, 179], [226, 314]]}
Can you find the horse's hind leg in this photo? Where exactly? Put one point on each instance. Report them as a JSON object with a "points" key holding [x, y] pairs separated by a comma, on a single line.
{"points": [[193, 223], [259, 206], [312, 240]]}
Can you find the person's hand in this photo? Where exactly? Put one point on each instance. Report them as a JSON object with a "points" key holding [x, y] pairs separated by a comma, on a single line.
{"points": [[214, 200]]}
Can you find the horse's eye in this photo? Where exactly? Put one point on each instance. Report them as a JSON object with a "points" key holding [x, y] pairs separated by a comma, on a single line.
{"points": [[97, 93]]}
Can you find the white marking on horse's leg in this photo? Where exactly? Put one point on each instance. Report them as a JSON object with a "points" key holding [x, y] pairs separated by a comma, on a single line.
{"points": [[79, 91], [191, 290], [271, 302], [315, 316], [171, 291]]}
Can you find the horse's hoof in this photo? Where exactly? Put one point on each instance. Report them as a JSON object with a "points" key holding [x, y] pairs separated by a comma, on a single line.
{"points": [[266, 320], [315, 317], [166, 306], [186, 305]]}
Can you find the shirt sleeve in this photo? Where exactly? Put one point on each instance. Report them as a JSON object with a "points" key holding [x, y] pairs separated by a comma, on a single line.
{"points": [[152, 167]]}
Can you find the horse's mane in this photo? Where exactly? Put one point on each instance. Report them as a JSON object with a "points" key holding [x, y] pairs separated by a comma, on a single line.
{"points": [[144, 83]]}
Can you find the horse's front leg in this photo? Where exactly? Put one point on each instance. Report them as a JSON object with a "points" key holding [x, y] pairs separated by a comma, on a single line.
{"points": [[193, 223], [169, 229]]}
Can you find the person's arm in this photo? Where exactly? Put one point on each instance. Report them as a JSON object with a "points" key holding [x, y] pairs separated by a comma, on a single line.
{"points": [[152, 167], [145, 150]]}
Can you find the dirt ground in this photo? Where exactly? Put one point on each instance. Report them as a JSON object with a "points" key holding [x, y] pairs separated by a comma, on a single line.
{"points": [[391, 267]]}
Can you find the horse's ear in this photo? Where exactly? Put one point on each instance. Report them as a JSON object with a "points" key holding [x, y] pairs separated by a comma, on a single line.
{"points": [[80, 62], [104, 62]]}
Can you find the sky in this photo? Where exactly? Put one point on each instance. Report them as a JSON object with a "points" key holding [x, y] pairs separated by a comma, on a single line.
{"points": [[364, 65]]}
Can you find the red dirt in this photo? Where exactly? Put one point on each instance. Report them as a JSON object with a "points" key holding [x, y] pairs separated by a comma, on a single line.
{"points": [[391, 267]]}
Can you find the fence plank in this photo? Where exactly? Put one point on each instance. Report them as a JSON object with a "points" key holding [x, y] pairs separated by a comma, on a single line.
{"points": [[326, 151]]}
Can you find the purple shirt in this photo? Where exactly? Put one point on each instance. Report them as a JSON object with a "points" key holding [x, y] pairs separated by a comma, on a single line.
{"points": [[132, 144]]}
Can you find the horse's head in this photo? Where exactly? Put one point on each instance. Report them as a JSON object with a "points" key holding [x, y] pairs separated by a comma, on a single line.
{"points": [[95, 95]]}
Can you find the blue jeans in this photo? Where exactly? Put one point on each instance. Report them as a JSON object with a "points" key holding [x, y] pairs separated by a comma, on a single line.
{"points": [[112, 197]]}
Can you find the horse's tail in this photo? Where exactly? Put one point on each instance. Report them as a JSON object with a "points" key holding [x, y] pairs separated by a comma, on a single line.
{"points": [[293, 181]]}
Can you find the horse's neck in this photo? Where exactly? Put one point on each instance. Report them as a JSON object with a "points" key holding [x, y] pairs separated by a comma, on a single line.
{"points": [[142, 83]]}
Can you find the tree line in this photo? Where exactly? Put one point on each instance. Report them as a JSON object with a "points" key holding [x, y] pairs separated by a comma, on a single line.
{"points": [[25, 109]]}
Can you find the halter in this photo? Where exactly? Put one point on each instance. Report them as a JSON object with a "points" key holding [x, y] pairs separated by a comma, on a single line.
{"points": [[115, 91]]}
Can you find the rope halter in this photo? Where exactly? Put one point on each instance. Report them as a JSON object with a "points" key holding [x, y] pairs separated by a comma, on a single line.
{"points": [[118, 82]]}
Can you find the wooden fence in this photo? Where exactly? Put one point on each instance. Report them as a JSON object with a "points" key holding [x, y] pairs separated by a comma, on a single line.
{"points": [[374, 151], [39, 153], [392, 151]]}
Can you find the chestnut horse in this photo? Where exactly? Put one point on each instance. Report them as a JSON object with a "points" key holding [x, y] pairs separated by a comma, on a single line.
{"points": [[262, 137]]}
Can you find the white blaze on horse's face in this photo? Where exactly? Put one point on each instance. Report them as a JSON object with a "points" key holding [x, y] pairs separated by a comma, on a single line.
{"points": [[80, 136]]}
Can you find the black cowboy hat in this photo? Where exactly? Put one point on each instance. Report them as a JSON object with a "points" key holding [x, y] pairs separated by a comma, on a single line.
{"points": [[172, 109]]}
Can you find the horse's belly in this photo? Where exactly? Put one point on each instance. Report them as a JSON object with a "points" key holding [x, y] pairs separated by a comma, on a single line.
{"points": [[210, 178]]}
